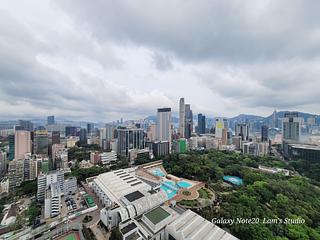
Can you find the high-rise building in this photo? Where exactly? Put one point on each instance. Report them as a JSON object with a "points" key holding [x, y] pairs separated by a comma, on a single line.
{"points": [[242, 129], [151, 134], [45, 180], [160, 148], [25, 125], [90, 128], [71, 131], [41, 142], [188, 121], [22, 144], [129, 138], [11, 138], [3, 163], [274, 123], [15, 173], [221, 123], [110, 128], [181, 117], [52, 201], [291, 127], [264, 133], [50, 120], [164, 130], [201, 124], [55, 137], [83, 136], [30, 167]]}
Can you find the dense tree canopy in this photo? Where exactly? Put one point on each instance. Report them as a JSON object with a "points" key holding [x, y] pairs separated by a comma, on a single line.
{"points": [[262, 196]]}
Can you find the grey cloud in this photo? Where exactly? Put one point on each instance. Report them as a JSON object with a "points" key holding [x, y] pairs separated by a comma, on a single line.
{"points": [[234, 31], [162, 62], [288, 84]]}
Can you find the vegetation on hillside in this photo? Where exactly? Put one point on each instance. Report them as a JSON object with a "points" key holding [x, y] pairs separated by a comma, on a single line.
{"points": [[261, 197]]}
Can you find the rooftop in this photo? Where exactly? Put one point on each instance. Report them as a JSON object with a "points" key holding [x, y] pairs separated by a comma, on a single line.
{"points": [[134, 196], [157, 215]]}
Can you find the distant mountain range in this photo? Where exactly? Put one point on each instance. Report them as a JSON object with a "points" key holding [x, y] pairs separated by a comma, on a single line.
{"points": [[245, 117]]}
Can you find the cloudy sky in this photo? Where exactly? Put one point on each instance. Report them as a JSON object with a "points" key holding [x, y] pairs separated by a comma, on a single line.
{"points": [[101, 60]]}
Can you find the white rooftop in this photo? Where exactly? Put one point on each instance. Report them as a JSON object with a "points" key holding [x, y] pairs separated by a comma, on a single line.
{"points": [[191, 226], [118, 183]]}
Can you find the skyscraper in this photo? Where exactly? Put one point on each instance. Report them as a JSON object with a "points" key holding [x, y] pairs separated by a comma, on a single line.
{"points": [[291, 126], [25, 125], [163, 131], [50, 120], [221, 123], [90, 128], [264, 133], [55, 137], [11, 138], [201, 124], [129, 138], [22, 144], [242, 129], [274, 119], [188, 121], [83, 135], [181, 118], [41, 142], [71, 131]]}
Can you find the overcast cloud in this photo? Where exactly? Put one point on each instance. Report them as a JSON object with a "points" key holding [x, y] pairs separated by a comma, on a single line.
{"points": [[102, 60]]}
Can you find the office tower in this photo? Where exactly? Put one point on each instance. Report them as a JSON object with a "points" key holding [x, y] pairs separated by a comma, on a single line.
{"points": [[274, 119], [3, 163], [181, 118], [15, 173], [201, 124], [41, 142], [71, 131], [264, 133], [224, 138], [25, 125], [242, 129], [83, 136], [160, 148], [129, 138], [163, 132], [90, 128], [50, 120], [110, 128], [22, 144], [11, 138], [103, 137], [55, 137], [221, 123], [188, 121], [151, 134], [291, 127]]}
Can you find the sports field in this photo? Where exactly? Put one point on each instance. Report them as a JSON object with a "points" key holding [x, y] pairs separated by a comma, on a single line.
{"points": [[70, 236]]}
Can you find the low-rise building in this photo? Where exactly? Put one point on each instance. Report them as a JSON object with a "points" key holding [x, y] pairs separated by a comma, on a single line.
{"points": [[141, 209]]}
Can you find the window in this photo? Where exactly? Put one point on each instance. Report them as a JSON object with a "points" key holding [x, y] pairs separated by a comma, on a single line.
{"points": [[171, 238]]}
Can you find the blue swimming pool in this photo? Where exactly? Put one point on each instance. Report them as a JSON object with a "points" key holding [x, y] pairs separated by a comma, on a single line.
{"points": [[158, 172], [171, 188], [233, 180], [169, 191], [184, 184]]}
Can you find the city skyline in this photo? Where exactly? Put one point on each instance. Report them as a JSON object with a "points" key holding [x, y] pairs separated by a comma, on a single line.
{"points": [[75, 65]]}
